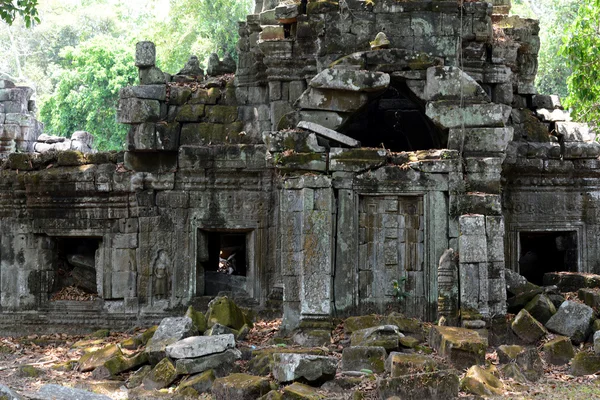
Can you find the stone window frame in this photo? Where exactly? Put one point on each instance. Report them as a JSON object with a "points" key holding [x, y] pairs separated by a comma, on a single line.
{"points": [[514, 229]]}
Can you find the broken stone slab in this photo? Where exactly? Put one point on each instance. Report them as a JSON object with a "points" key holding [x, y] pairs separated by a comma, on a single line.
{"points": [[240, 387], [398, 364], [541, 308], [6, 392], [516, 283], [201, 383], [168, 332], [558, 351], [528, 328], [546, 101], [480, 382], [590, 296], [161, 376], [356, 160], [198, 346], [462, 347], [513, 371], [218, 329], [135, 111], [221, 363], [440, 385], [451, 83], [352, 324], [95, 359], [448, 114], [480, 139], [288, 367], [286, 13], [574, 132], [58, 392], [224, 311], [298, 141], [327, 133], [119, 364], [527, 358], [573, 320], [553, 115], [386, 336], [585, 363], [328, 119], [45, 138], [350, 80], [299, 391], [155, 92], [145, 54], [331, 100], [571, 281], [364, 357]]}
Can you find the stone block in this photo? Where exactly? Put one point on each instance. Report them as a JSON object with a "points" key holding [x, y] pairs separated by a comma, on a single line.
{"points": [[480, 382], [142, 137], [271, 32], [145, 54], [573, 320], [368, 357], [574, 132], [350, 80], [298, 141], [585, 363], [399, 364], [151, 162], [331, 100], [153, 92], [202, 133], [302, 161], [161, 376], [137, 111], [198, 346], [462, 347], [356, 160], [450, 83], [189, 113], [53, 391], [451, 115], [541, 308], [528, 328], [288, 367], [549, 102], [441, 385], [221, 363], [554, 115], [201, 383], [152, 76], [480, 139], [558, 351], [221, 114], [240, 387]]}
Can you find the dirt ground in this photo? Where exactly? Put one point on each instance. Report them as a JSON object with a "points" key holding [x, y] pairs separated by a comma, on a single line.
{"points": [[54, 356]]}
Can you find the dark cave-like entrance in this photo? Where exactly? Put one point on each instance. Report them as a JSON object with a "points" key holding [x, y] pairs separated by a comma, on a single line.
{"points": [[396, 121], [74, 264], [543, 252]]}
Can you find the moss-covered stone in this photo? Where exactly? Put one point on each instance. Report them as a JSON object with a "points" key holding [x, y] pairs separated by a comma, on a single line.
{"points": [[405, 324], [480, 382], [190, 113], [528, 328], [585, 363], [205, 96], [509, 353], [272, 395], [93, 360], [359, 358], [224, 311], [558, 351], [101, 333], [71, 158], [221, 114], [20, 161], [399, 364], [120, 363], [161, 376], [198, 318], [29, 371], [409, 342], [135, 342], [202, 133], [136, 379], [513, 371], [462, 347], [300, 391], [88, 343], [65, 366], [178, 95], [201, 383], [527, 358], [261, 362], [386, 336], [432, 385], [240, 386], [541, 308]]}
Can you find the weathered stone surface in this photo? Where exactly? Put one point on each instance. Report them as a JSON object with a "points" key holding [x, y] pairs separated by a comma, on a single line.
{"points": [[541, 308], [350, 80], [513, 371], [290, 367], [558, 351], [462, 347], [299, 141], [327, 133], [218, 329], [363, 357], [145, 54], [406, 325], [528, 328], [574, 132], [9, 394], [480, 139], [137, 111], [57, 392], [573, 320], [386, 336], [89, 361], [154, 92], [398, 364], [168, 332], [201, 383], [240, 387], [450, 115], [525, 357], [585, 363], [224, 311], [439, 385], [221, 363], [546, 101], [300, 391], [381, 42], [161, 376], [331, 100], [571, 281], [356, 160], [553, 115], [198, 346], [480, 382], [120, 364], [591, 297], [152, 76], [450, 83]]}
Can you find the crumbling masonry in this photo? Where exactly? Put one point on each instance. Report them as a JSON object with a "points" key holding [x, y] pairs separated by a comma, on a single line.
{"points": [[330, 166]]}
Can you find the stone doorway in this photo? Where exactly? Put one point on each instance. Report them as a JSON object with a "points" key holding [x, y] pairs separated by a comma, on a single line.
{"points": [[542, 252], [74, 264], [224, 262]]}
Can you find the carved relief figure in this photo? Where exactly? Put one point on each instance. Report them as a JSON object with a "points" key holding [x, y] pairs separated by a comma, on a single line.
{"points": [[161, 275]]}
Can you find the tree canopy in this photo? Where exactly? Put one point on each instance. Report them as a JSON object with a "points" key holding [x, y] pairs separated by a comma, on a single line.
{"points": [[9, 9]]}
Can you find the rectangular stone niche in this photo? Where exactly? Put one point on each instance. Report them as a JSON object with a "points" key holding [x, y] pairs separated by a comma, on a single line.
{"points": [[547, 251], [225, 262], [74, 264]]}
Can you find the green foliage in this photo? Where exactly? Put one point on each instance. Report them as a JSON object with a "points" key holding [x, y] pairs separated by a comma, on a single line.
{"points": [[198, 27], [9, 9], [582, 50], [87, 92], [398, 289]]}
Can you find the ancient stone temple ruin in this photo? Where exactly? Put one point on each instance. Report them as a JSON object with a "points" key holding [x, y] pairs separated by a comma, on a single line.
{"points": [[326, 174]]}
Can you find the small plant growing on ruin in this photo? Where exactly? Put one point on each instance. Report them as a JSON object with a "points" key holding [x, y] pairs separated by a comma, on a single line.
{"points": [[398, 289]]}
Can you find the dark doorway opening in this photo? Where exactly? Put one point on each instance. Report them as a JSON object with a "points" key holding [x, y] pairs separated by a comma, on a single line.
{"points": [[227, 264], [396, 121], [543, 252], [75, 268]]}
